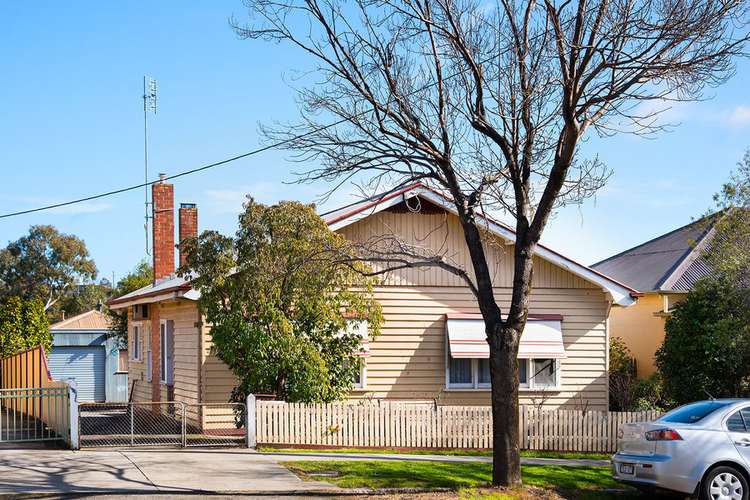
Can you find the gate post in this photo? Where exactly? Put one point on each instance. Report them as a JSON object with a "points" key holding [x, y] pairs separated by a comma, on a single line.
{"points": [[75, 441], [250, 421]]}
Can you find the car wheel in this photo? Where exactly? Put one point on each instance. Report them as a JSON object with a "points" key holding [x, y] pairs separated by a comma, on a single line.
{"points": [[724, 483]]}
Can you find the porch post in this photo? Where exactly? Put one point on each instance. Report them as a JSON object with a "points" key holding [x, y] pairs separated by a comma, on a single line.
{"points": [[250, 421], [75, 442]]}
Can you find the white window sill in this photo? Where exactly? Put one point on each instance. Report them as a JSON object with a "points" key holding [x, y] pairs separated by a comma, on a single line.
{"points": [[467, 389], [487, 389]]}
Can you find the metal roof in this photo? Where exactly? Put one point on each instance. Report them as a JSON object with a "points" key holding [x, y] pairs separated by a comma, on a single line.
{"points": [[90, 320], [179, 287], [670, 262]]}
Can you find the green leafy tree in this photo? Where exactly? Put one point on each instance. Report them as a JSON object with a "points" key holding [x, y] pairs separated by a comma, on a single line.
{"points": [[23, 325], [279, 296], [729, 252], [45, 264], [142, 275], [706, 348], [79, 299]]}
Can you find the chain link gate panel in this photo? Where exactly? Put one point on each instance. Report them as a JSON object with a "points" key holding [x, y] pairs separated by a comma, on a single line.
{"points": [[170, 423]]}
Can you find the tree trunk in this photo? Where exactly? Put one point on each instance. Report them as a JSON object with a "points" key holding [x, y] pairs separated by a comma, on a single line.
{"points": [[506, 461]]}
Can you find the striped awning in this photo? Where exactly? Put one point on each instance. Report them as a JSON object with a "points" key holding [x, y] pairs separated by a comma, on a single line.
{"points": [[542, 338]]}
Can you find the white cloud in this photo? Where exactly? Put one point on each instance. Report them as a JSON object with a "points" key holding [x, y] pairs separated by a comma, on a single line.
{"points": [[739, 117]]}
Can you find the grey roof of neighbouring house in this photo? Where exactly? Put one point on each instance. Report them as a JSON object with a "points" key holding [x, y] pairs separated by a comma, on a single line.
{"points": [[671, 262]]}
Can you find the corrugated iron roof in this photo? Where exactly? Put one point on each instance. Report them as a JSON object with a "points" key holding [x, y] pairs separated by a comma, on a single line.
{"points": [[670, 262], [91, 320]]}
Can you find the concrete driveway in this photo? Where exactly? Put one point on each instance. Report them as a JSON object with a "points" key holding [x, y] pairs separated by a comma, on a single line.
{"points": [[45, 470]]}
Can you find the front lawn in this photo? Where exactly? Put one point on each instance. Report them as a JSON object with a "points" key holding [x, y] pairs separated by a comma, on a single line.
{"points": [[376, 474]]}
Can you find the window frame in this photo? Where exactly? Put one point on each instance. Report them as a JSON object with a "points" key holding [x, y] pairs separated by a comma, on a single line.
{"points": [[362, 385], [529, 386], [474, 385], [166, 375], [137, 343]]}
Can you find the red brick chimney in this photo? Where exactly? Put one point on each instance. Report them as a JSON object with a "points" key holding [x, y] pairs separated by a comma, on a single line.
{"points": [[188, 227], [162, 195]]}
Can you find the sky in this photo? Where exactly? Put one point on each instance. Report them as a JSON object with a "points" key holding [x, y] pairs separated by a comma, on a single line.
{"points": [[72, 125]]}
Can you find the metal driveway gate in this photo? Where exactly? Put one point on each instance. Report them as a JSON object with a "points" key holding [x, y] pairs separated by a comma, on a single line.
{"points": [[171, 423], [34, 414]]}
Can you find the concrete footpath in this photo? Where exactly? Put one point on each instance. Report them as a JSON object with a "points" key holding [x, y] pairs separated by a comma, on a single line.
{"points": [[184, 471], [47, 471]]}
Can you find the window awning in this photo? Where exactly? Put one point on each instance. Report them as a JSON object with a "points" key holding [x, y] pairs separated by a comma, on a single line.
{"points": [[542, 338]]}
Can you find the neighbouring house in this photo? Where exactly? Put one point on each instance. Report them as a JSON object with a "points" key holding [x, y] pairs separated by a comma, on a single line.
{"points": [[664, 269], [83, 350], [432, 346]]}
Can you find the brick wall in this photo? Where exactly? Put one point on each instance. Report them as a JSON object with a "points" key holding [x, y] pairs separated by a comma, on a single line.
{"points": [[188, 226], [163, 229]]}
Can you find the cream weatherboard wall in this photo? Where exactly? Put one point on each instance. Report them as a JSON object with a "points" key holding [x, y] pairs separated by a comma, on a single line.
{"points": [[408, 360]]}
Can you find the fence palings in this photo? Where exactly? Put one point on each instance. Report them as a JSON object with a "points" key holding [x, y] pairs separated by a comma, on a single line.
{"points": [[426, 425]]}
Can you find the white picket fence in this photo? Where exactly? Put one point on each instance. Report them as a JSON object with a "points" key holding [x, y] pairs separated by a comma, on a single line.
{"points": [[415, 425]]}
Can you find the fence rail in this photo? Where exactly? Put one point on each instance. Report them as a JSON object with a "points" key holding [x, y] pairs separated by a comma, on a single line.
{"points": [[34, 414], [410, 425]]}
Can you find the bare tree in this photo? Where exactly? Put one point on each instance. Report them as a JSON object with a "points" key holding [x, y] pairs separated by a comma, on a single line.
{"points": [[489, 102]]}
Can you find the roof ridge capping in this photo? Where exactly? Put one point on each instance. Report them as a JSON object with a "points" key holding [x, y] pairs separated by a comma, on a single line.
{"points": [[620, 293]]}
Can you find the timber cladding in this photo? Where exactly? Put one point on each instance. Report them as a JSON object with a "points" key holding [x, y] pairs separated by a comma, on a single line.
{"points": [[407, 361]]}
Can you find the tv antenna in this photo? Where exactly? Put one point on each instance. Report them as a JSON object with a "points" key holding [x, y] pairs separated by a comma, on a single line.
{"points": [[149, 104]]}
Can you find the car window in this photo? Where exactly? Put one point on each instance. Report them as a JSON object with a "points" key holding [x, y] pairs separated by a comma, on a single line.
{"points": [[694, 412], [736, 423]]}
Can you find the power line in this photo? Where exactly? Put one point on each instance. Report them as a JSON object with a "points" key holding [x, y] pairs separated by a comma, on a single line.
{"points": [[175, 176], [228, 160]]}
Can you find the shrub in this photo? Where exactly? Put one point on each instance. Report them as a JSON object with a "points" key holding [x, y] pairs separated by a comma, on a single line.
{"points": [[706, 350]]}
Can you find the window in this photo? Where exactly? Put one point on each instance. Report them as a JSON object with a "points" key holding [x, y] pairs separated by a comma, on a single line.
{"points": [[166, 340], [736, 423], [472, 373], [360, 377], [148, 366], [484, 372], [694, 412], [136, 343], [468, 373], [537, 374], [122, 360], [543, 373]]}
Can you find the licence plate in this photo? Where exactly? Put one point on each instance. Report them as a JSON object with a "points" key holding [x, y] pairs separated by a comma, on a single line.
{"points": [[627, 469]]}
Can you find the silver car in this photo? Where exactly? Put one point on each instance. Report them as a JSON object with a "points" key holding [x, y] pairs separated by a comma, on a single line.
{"points": [[701, 448]]}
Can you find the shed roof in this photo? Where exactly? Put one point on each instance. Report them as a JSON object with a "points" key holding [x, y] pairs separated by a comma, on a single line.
{"points": [[90, 320], [670, 262]]}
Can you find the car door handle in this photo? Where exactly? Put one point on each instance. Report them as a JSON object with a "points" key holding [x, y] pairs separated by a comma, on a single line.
{"points": [[744, 442]]}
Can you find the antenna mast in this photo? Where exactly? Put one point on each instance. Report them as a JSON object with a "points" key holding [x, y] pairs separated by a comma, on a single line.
{"points": [[149, 104]]}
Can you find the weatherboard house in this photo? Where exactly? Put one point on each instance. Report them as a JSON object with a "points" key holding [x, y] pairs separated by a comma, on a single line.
{"points": [[432, 345]]}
